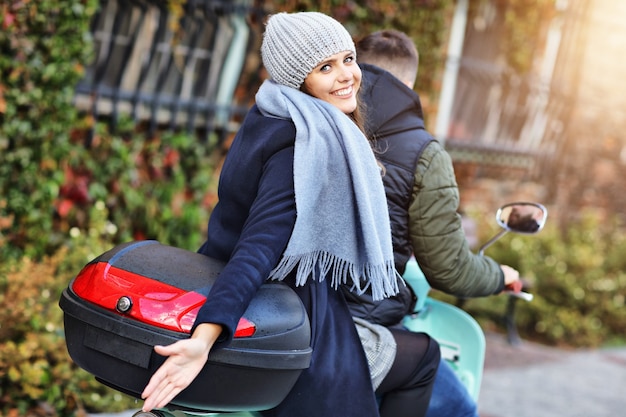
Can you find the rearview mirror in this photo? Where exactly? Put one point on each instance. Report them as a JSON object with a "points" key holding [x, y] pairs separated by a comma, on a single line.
{"points": [[523, 217]]}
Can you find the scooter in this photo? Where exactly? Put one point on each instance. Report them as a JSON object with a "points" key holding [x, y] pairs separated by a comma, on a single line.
{"points": [[459, 335], [140, 294]]}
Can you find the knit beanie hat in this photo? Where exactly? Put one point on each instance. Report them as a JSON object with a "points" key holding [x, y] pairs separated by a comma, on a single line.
{"points": [[295, 43]]}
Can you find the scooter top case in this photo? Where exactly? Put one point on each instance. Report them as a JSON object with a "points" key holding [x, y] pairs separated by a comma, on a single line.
{"points": [[140, 294]]}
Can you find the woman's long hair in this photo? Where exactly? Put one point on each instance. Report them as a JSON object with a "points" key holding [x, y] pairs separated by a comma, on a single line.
{"points": [[357, 115]]}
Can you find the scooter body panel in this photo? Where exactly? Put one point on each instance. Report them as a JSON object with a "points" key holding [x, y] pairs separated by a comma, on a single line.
{"points": [[460, 337]]}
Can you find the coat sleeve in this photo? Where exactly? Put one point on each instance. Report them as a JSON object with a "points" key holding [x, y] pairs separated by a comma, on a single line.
{"points": [[437, 235], [264, 237]]}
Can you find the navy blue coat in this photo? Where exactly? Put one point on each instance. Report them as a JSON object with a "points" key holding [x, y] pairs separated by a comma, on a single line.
{"points": [[249, 229]]}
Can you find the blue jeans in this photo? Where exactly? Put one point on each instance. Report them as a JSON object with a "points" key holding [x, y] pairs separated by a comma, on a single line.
{"points": [[450, 398]]}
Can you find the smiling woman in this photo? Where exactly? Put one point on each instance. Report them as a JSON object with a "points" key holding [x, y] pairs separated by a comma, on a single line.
{"points": [[300, 151], [336, 80]]}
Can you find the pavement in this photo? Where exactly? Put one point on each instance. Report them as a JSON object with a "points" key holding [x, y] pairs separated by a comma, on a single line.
{"points": [[533, 380]]}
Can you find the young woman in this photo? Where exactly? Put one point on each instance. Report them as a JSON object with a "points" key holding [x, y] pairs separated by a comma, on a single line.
{"points": [[301, 200]]}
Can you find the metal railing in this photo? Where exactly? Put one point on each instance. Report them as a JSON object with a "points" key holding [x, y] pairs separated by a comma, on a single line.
{"points": [[163, 76]]}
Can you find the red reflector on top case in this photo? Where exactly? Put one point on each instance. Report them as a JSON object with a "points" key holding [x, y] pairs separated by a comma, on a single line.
{"points": [[153, 302]]}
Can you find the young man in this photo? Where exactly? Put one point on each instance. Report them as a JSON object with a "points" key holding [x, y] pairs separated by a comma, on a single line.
{"points": [[423, 200]]}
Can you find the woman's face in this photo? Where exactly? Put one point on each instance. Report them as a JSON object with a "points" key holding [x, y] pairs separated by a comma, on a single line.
{"points": [[336, 80]]}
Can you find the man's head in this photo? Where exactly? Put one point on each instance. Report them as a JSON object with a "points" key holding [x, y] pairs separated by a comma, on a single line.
{"points": [[392, 51]]}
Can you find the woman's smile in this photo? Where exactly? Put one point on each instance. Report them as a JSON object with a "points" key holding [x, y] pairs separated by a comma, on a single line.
{"points": [[344, 92]]}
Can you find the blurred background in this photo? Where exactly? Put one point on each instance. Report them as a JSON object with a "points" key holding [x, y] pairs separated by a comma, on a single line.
{"points": [[115, 116]]}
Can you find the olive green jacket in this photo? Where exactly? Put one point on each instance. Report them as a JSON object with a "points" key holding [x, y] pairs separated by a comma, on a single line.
{"points": [[437, 235]]}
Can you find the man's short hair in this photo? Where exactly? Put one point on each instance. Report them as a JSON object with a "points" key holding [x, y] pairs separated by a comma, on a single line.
{"points": [[391, 50]]}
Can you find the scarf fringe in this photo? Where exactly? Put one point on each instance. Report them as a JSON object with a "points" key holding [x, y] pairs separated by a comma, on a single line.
{"points": [[381, 278]]}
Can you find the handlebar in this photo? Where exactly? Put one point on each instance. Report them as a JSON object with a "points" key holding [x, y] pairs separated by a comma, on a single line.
{"points": [[520, 294], [515, 289]]}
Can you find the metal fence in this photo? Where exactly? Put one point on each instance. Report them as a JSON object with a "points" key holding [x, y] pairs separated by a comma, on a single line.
{"points": [[166, 71]]}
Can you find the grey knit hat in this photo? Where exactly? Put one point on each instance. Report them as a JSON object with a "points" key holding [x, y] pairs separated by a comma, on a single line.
{"points": [[295, 43]]}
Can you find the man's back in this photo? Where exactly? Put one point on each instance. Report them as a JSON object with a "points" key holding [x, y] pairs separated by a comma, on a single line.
{"points": [[423, 200], [399, 138]]}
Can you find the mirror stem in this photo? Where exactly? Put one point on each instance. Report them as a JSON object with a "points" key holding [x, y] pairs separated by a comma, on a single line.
{"points": [[501, 233]]}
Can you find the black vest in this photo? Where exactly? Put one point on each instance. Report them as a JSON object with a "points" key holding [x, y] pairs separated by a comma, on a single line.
{"points": [[394, 120]]}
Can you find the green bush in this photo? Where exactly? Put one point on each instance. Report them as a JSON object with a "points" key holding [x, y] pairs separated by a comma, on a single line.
{"points": [[157, 187], [63, 203], [35, 369], [43, 47], [154, 188], [578, 278]]}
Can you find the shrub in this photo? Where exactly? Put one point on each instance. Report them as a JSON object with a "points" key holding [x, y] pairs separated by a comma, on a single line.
{"points": [[578, 279], [35, 368], [62, 202], [43, 47], [160, 187]]}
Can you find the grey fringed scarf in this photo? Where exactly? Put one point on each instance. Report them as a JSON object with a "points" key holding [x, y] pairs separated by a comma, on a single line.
{"points": [[342, 224]]}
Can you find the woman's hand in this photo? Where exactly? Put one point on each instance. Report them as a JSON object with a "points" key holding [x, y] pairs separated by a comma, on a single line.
{"points": [[186, 358]]}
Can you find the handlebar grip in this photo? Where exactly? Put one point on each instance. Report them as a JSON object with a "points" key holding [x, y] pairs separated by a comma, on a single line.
{"points": [[515, 286]]}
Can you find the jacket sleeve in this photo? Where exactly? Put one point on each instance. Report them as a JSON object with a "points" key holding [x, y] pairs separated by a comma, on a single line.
{"points": [[267, 230], [437, 235]]}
